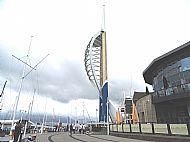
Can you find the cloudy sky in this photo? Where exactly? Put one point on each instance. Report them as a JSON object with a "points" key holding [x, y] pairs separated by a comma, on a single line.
{"points": [[137, 32]]}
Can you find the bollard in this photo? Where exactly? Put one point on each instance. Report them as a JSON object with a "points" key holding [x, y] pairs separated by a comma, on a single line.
{"points": [[188, 128], [117, 127], [153, 132], [169, 129], [122, 128], [140, 130], [130, 128]]}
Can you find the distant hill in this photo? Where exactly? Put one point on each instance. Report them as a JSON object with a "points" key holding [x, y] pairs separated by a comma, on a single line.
{"points": [[38, 118]]}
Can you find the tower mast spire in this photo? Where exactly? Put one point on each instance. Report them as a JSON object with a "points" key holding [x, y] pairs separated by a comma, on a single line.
{"points": [[103, 28]]}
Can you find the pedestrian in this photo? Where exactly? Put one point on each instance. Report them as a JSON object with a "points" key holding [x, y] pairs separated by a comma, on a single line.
{"points": [[12, 132], [80, 128], [34, 138], [74, 127], [67, 129], [1, 132], [90, 128], [83, 128], [17, 135], [71, 129], [29, 139]]}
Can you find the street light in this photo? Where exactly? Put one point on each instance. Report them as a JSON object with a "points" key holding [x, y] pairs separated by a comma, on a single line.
{"points": [[96, 116], [108, 130]]}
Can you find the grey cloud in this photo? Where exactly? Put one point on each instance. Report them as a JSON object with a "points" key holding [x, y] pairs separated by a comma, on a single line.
{"points": [[117, 89], [68, 83]]}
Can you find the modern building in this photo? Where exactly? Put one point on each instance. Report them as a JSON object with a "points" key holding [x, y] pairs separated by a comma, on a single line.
{"points": [[169, 76], [145, 107]]}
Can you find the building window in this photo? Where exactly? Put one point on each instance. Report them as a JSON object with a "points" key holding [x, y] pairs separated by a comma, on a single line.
{"points": [[161, 93], [177, 75], [169, 91], [185, 64]]}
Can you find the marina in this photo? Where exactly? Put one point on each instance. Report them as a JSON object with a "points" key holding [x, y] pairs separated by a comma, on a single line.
{"points": [[94, 71]]}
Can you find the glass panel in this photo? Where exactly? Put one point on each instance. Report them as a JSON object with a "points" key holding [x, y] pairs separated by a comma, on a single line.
{"points": [[169, 91], [161, 93], [185, 64], [187, 74], [187, 87], [175, 90], [180, 89]]}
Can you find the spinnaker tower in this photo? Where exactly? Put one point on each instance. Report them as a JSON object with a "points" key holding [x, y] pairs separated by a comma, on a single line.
{"points": [[96, 68]]}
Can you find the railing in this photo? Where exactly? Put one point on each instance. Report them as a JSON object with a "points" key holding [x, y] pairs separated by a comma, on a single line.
{"points": [[151, 128]]}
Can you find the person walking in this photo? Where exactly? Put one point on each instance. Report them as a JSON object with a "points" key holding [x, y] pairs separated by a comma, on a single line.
{"points": [[67, 128], [29, 139], [74, 127], [12, 132], [80, 128], [71, 129], [83, 128], [17, 135]]}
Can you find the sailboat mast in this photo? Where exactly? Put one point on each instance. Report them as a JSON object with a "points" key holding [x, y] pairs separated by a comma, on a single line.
{"points": [[42, 126], [21, 84], [1, 95], [30, 110]]}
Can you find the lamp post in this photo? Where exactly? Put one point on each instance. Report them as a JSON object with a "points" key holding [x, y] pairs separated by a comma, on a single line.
{"points": [[96, 116], [108, 130]]}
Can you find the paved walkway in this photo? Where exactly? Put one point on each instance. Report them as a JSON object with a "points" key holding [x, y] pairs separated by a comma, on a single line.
{"points": [[8, 138], [5, 138], [65, 137]]}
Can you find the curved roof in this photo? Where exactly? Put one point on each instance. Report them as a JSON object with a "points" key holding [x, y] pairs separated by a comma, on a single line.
{"points": [[160, 62]]}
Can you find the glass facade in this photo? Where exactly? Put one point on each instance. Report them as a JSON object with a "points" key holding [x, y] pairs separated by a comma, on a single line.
{"points": [[169, 76], [172, 114], [173, 78]]}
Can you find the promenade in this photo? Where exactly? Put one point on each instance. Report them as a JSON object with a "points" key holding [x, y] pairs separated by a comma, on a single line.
{"points": [[65, 137], [123, 137]]}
